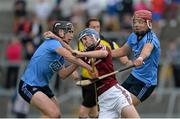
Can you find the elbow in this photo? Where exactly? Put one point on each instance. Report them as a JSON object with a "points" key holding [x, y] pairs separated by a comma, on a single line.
{"points": [[114, 53], [119, 54], [62, 77]]}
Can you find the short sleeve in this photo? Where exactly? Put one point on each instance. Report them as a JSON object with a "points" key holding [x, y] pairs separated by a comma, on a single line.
{"points": [[53, 44], [130, 38]]}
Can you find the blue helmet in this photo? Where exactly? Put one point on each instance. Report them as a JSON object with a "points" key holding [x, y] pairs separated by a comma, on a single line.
{"points": [[89, 32]]}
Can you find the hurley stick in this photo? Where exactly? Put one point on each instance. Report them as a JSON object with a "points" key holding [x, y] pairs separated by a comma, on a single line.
{"points": [[88, 82]]}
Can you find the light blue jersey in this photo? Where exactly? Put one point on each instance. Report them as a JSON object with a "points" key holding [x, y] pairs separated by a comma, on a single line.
{"points": [[146, 73], [43, 64]]}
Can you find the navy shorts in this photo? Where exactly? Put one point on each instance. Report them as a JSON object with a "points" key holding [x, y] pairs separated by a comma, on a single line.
{"points": [[89, 95], [138, 88], [26, 91]]}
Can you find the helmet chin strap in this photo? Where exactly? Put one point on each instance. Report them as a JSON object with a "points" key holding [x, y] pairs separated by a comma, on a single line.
{"points": [[66, 42], [62, 35], [91, 47], [149, 24]]}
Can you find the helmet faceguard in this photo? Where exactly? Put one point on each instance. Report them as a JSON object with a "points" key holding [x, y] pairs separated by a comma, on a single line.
{"points": [[90, 32], [63, 25]]}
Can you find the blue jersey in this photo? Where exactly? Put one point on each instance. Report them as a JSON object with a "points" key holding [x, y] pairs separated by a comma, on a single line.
{"points": [[43, 64], [146, 73]]}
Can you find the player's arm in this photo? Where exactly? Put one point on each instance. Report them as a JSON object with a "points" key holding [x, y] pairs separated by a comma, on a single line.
{"points": [[145, 53], [124, 60], [75, 75], [120, 52], [68, 55], [65, 72], [92, 54]]}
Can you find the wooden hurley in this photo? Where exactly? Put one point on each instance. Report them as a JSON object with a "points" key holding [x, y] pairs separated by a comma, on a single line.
{"points": [[91, 81]]}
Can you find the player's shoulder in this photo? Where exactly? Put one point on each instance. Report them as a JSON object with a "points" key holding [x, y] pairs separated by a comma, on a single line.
{"points": [[110, 44], [104, 42], [52, 43], [132, 35], [151, 36], [51, 40], [132, 38]]}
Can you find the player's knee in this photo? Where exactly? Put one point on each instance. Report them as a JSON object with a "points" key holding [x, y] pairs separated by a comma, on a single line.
{"points": [[83, 114], [87, 114], [129, 111], [93, 115], [55, 114]]}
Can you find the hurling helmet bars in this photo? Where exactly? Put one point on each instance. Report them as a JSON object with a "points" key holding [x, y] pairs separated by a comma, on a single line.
{"points": [[64, 25], [144, 14]]}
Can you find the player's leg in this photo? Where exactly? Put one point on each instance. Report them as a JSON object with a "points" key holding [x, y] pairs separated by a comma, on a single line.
{"points": [[56, 102], [88, 107], [40, 97], [107, 104], [129, 112], [93, 113], [113, 102], [138, 89], [131, 85], [135, 100], [45, 105], [46, 90], [124, 103], [84, 111]]}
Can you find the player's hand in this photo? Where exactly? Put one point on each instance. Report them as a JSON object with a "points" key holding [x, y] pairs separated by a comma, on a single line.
{"points": [[94, 74], [49, 34], [138, 61], [76, 53], [129, 62]]}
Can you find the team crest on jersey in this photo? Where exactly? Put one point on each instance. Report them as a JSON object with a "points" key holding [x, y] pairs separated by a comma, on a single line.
{"points": [[136, 53], [56, 65]]}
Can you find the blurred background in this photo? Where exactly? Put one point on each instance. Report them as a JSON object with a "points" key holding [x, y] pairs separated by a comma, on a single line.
{"points": [[22, 23]]}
